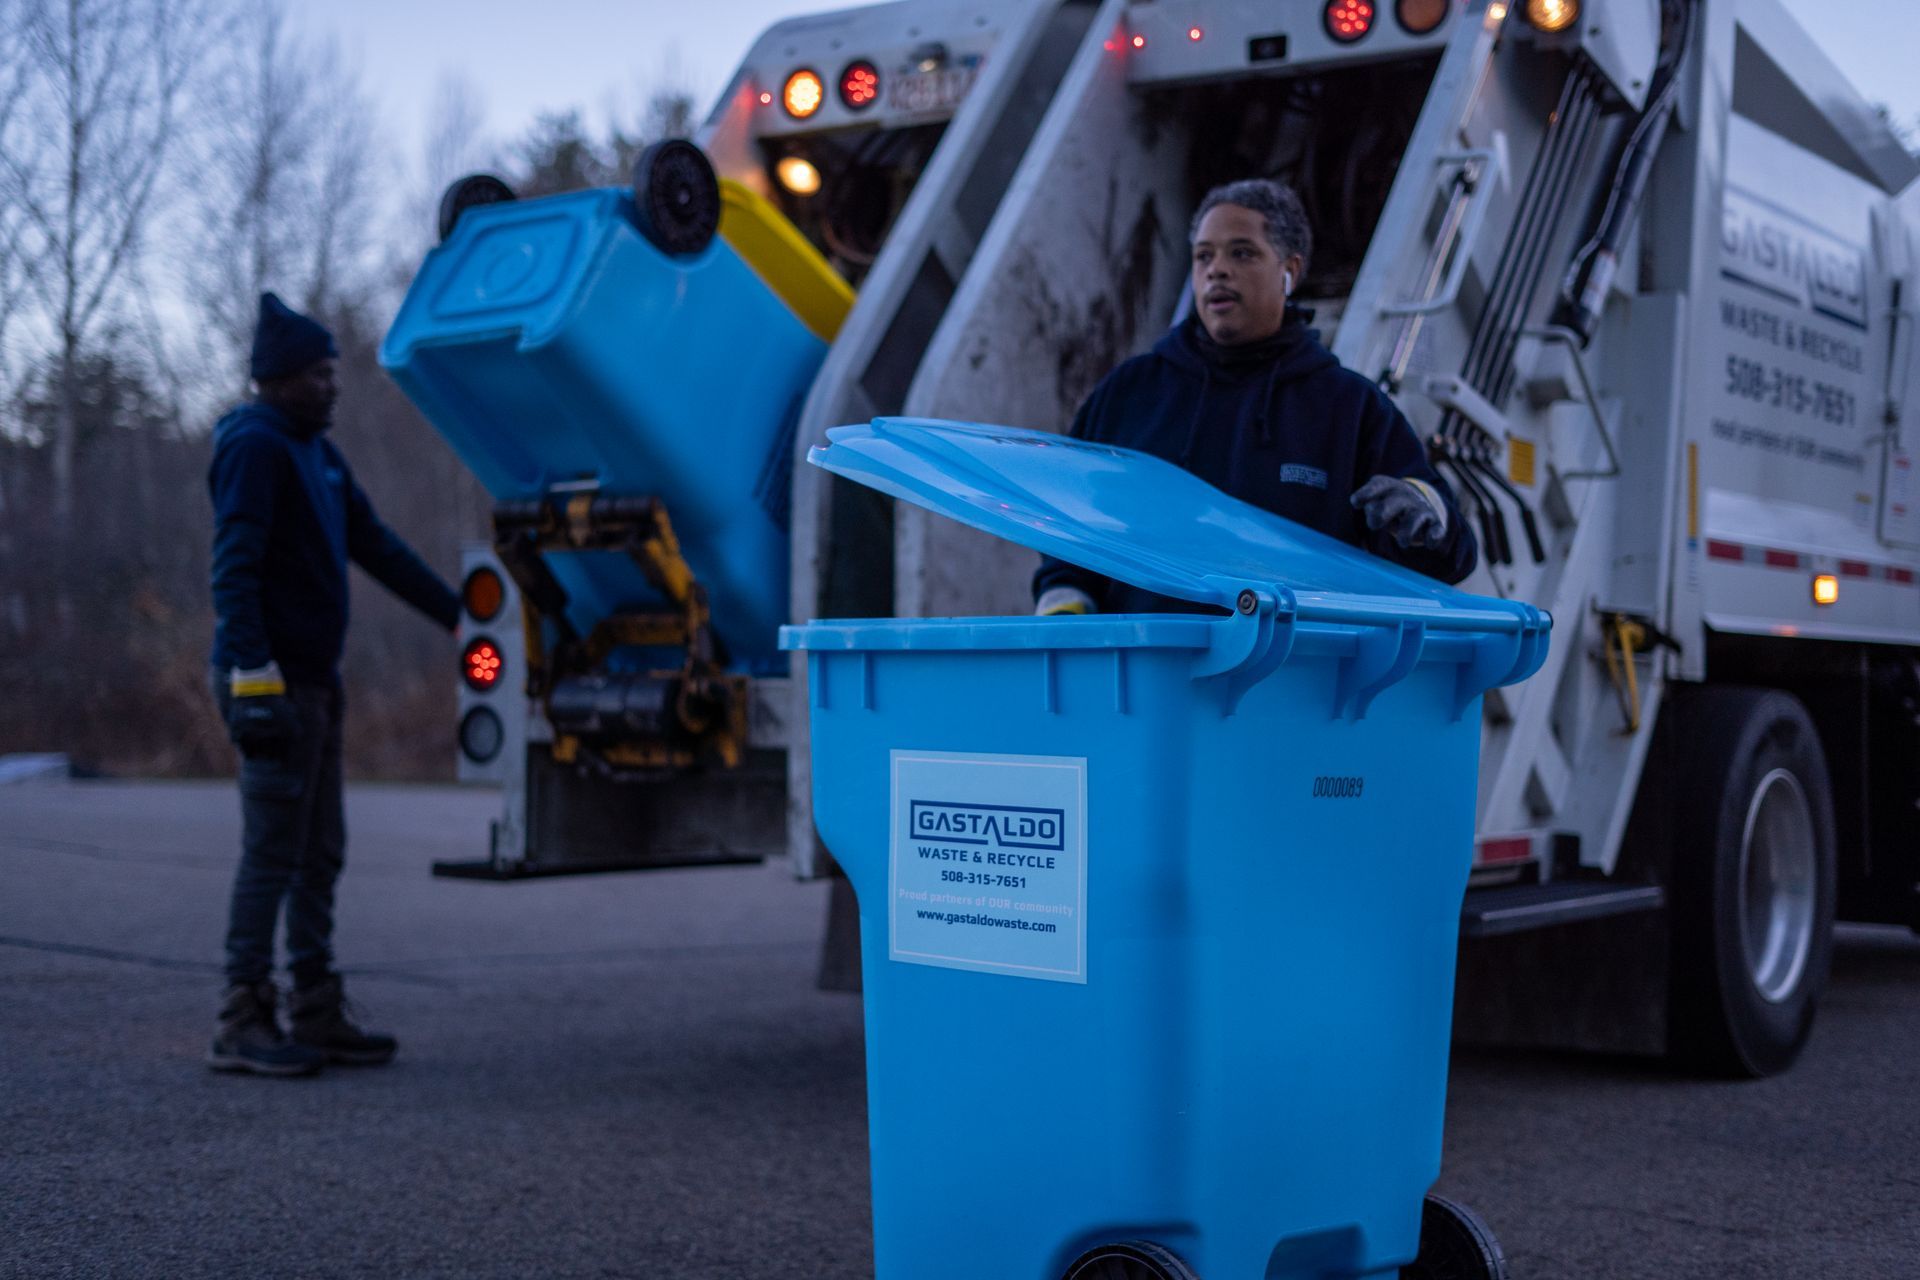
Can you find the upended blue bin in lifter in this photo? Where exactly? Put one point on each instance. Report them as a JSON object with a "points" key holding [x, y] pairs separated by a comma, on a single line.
{"points": [[1158, 912], [552, 344]]}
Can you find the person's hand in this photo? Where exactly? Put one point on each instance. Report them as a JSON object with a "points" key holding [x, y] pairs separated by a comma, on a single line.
{"points": [[1063, 600], [1410, 512], [261, 719]]}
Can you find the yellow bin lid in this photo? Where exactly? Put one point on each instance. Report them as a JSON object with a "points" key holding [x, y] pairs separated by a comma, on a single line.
{"points": [[782, 257]]}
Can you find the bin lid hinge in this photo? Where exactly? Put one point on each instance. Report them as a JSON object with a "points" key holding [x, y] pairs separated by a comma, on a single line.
{"points": [[1252, 643]]}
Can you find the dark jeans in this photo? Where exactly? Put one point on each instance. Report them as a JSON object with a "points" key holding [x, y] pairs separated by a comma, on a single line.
{"points": [[293, 845]]}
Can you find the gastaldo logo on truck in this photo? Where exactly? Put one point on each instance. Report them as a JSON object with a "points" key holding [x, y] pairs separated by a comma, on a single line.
{"points": [[1771, 249]]}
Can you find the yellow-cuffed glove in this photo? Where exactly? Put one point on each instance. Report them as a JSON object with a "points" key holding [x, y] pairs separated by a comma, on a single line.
{"points": [[261, 719], [1055, 601]]}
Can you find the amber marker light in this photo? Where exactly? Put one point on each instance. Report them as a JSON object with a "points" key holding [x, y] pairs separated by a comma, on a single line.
{"points": [[482, 594], [1419, 17], [803, 93], [1826, 589], [797, 175], [1553, 15]]}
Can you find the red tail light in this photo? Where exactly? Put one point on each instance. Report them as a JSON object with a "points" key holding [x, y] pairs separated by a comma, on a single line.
{"points": [[859, 85], [1348, 20], [481, 664]]}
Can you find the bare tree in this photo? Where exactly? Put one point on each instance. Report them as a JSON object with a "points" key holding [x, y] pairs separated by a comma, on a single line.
{"points": [[283, 197], [341, 249], [456, 131], [667, 111], [82, 157], [14, 82], [454, 143]]}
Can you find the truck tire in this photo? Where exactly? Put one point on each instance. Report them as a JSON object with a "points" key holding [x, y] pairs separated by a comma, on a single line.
{"points": [[1752, 881], [1129, 1260], [1455, 1244]]}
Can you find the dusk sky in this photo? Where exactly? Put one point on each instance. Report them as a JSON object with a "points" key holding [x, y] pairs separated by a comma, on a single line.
{"points": [[602, 56]]}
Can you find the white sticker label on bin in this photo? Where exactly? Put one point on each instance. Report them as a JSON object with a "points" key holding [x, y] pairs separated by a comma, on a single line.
{"points": [[989, 863]]}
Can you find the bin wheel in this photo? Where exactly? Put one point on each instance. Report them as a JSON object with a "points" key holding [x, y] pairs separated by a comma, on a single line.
{"points": [[1455, 1244], [465, 193], [677, 196], [1752, 881], [1129, 1260]]}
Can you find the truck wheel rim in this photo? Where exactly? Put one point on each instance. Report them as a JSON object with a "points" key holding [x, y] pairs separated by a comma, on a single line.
{"points": [[1776, 885]]}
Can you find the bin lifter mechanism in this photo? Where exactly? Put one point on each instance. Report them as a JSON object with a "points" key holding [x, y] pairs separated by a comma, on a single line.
{"points": [[621, 725]]}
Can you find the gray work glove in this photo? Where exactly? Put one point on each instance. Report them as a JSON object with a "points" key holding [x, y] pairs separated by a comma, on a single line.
{"points": [[1409, 510]]}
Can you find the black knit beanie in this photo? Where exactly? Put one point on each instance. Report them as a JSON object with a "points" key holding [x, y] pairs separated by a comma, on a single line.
{"points": [[286, 342]]}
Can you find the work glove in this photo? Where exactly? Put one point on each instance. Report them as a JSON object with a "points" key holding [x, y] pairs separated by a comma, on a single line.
{"points": [[261, 719], [1409, 510], [1063, 600]]}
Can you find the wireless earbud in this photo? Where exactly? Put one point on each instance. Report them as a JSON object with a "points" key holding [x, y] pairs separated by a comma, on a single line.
{"points": [[1286, 281]]}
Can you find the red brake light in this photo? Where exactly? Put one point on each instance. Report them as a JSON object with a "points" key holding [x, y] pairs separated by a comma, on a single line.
{"points": [[859, 85], [480, 665], [1348, 20]]}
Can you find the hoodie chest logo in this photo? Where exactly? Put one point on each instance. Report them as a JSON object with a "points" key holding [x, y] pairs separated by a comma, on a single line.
{"points": [[1297, 473]]}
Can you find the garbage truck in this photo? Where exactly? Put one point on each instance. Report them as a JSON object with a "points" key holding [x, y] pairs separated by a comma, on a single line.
{"points": [[1638, 271]]}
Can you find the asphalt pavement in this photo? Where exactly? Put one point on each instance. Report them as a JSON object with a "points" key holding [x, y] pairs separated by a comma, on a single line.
{"points": [[634, 1076]]}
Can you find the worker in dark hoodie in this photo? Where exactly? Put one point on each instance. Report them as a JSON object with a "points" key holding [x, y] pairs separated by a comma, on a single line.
{"points": [[1242, 394], [287, 518]]}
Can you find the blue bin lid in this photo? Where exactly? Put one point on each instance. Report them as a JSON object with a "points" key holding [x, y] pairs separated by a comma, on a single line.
{"points": [[1145, 521]]}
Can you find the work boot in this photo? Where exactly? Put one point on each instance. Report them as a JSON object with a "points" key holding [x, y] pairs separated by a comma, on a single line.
{"points": [[250, 1038], [321, 1021]]}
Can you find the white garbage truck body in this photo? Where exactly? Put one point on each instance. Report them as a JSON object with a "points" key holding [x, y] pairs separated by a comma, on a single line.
{"points": [[1643, 283]]}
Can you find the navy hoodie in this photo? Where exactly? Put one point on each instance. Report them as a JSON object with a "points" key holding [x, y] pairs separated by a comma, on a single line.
{"points": [[1294, 433], [287, 518]]}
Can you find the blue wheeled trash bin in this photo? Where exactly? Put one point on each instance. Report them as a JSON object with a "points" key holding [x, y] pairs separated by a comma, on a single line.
{"points": [[1158, 912], [560, 350]]}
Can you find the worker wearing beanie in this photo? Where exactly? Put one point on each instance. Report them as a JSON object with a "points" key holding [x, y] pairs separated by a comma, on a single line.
{"points": [[287, 518]]}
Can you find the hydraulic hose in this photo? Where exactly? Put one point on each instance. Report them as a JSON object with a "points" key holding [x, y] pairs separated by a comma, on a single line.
{"points": [[1584, 288]]}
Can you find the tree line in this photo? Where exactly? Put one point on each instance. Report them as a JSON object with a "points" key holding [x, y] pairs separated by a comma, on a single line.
{"points": [[161, 163]]}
